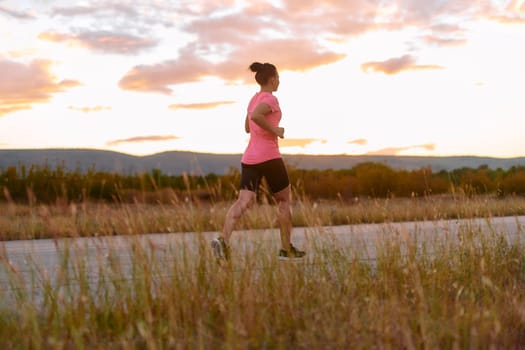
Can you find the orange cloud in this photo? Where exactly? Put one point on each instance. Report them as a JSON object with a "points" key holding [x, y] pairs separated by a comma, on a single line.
{"points": [[392, 151], [139, 139], [509, 19], [225, 42], [333, 17], [27, 52], [396, 65], [202, 105], [512, 13], [516, 6], [298, 142], [443, 41], [445, 35], [55, 37], [102, 41], [23, 85], [158, 77], [360, 142], [288, 54], [90, 109], [230, 29], [234, 40]]}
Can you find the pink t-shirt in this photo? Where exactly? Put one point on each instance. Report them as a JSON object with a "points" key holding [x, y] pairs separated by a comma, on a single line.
{"points": [[263, 144]]}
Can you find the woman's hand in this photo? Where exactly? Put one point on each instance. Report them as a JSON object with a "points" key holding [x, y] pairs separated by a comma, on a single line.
{"points": [[279, 132]]}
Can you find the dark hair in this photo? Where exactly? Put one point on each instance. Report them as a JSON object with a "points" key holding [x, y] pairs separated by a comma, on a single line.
{"points": [[263, 72]]}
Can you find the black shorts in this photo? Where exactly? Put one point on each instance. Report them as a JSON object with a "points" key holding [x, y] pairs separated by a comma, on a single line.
{"points": [[274, 171]]}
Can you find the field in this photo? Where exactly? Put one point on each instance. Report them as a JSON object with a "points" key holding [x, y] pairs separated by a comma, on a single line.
{"points": [[469, 294], [97, 219]]}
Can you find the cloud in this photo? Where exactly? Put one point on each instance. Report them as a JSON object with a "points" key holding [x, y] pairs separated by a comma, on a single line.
{"points": [[22, 53], [202, 7], [284, 143], [140, 139], [16, 13], [23, 85], [288, 54], [510, 12], [56, 37], [360, 142], [158, 77], [397, 150], [396, 65], [229, 30], [140, 16], [422, 13], [73, 11], [445, 35], [509, 19], [109, 9], [443, 41], [329, 18], [90, 109], [202, 105], [228, 35], [295, 35], [102, 41]]}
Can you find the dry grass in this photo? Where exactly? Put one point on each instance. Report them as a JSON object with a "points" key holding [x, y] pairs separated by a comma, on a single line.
{"points": [[469, 294], [92, 219]]}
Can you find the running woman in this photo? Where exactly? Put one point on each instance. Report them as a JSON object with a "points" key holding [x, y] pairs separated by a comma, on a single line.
{"points": [[262, 158]]}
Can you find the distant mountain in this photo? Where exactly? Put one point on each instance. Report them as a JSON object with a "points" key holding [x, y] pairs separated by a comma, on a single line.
{"points": [[176, 163]]}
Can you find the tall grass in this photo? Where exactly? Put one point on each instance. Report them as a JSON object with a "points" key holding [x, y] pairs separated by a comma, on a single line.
{"points": [[102, 219], [466, 292]]}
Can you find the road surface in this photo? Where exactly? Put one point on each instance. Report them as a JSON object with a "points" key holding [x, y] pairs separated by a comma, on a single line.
{"points": [[25, 264]]}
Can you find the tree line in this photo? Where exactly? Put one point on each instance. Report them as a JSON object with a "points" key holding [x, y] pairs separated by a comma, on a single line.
{"points": [[44, 184]]}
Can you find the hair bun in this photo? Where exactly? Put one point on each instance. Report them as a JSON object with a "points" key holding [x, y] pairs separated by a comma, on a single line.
{"points": [[256, 66]]}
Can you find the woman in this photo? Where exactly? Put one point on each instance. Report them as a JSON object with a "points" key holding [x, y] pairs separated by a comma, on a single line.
{"points": [[262, 159]]}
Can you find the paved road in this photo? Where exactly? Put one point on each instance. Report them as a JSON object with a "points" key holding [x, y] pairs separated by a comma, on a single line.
{"points": [[25, 264]]}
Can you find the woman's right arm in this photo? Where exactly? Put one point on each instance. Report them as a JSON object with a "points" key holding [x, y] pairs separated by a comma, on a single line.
{"points": [[259, 117]]}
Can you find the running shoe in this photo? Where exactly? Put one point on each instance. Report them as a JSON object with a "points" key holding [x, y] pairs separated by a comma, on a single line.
{"points": [[220, 249], [292, 254]]}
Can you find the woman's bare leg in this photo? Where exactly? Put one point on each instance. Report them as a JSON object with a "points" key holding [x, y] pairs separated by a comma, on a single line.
{"points": [[284, 199], [245, 200]]}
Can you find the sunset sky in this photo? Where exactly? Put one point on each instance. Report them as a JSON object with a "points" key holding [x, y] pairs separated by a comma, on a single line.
{"points": [[406, 77]]}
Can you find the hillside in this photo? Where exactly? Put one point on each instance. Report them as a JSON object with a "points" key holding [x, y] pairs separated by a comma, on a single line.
{"points": [[175, 162]]}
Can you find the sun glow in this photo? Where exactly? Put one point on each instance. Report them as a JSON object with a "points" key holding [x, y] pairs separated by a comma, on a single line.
{"points": [[376, 73]]}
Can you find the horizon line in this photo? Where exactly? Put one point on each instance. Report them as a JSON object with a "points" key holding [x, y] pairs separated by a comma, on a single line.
{"points": [[284, 154]]}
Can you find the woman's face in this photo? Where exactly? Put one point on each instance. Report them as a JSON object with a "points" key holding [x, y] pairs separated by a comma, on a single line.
{"points": [[275, 82]]}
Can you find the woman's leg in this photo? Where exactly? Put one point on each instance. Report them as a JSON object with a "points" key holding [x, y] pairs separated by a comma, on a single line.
{"points": [[245, 200], [283, 199]]}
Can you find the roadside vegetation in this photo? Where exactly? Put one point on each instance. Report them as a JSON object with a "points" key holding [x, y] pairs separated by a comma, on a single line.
{"points": [[46, 185], [466, 291], [446, 294], [22, 221], [40, 202]]}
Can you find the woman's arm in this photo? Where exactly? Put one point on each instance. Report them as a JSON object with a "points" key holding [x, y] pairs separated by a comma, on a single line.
{"points": [[247, 124], [259, 117]]}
